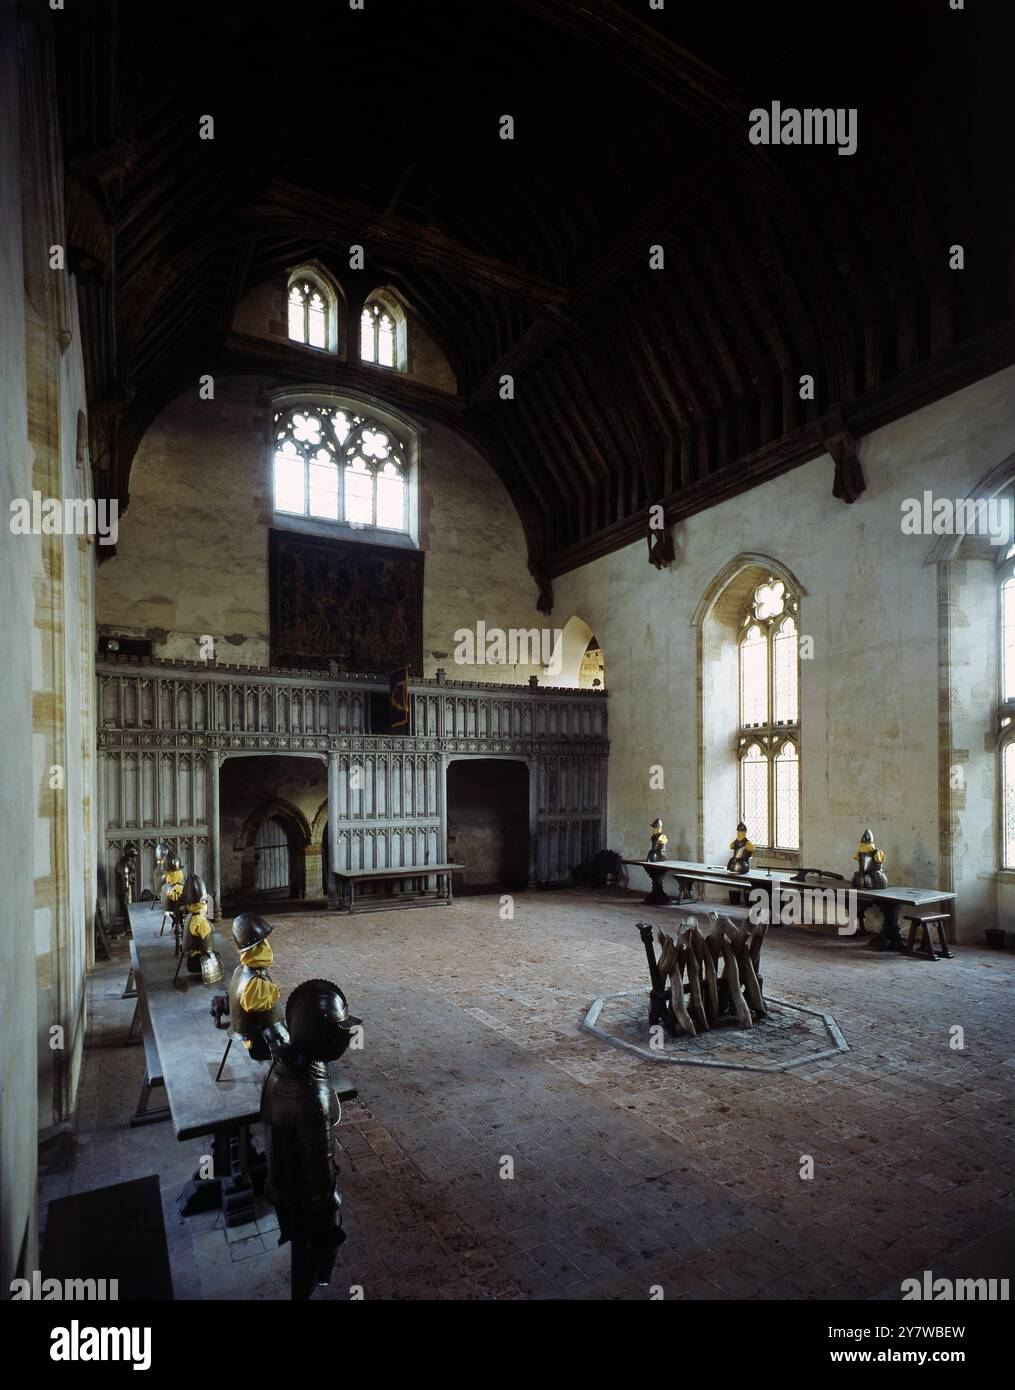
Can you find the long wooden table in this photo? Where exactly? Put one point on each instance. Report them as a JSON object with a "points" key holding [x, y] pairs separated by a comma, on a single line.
{"points": [[349, 878], [890, 900], [190, 1049]]}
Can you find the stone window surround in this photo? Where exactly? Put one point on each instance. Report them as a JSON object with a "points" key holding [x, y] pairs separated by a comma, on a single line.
{"points": [[409, 435], [334, 299]]}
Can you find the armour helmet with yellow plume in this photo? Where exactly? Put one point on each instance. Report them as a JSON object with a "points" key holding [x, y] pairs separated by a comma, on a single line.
{"points": [[248, 929]]}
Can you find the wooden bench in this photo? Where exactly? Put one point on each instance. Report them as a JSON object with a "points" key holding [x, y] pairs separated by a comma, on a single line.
{"points": [[143, 1114], [130, 992], [349, 878], [920, 938]]}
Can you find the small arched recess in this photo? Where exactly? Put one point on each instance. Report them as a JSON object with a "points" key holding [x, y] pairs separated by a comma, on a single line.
{"points": [[579, 663], [297, 832]]}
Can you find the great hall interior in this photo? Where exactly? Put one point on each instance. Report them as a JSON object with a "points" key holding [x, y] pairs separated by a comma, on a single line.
{"points": [[509, 682]]}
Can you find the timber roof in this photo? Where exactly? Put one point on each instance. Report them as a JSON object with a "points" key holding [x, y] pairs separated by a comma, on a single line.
{"points": [[531, 256]]}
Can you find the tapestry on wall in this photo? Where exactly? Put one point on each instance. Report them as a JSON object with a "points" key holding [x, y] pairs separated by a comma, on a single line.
{"points": [[354, 603]]}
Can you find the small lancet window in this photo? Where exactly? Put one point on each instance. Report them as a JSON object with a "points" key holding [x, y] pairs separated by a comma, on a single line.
{"points": [[308, 314], [378, 334], [1006, 704], [1008, 638], [312, 309]]}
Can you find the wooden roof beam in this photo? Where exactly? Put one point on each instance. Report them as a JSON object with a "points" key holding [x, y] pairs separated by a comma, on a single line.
{"points": [[412, 244]]}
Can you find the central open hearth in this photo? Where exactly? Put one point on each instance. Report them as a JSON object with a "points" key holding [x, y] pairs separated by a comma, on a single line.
{"points": [[790, 1035]]}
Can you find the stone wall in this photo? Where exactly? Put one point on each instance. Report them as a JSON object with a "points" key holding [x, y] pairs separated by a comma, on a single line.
{"points": [[901, 690], [47, 734], [193, 547]]}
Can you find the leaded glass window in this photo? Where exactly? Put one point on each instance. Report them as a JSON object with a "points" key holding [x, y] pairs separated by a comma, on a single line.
{"points": [[754, 678], [308, 313], [378, 334], [1008, 638], [785, 671], [1006, 704], [335, 465], [1008, 806], [754, 792], [769, 733], [787, 797]]}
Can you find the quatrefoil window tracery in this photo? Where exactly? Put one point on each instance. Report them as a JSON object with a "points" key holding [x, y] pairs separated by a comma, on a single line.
{"points": [[768, 603], [339, 466]]}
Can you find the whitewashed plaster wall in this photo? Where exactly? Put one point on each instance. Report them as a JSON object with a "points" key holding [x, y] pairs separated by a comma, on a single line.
{"points": [[870, 698], [18, 1103], [63, 637], [46, 586], [192, 557]]}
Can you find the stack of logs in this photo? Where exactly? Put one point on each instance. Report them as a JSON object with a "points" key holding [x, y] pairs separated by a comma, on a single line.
{"points": [[716, 965]]}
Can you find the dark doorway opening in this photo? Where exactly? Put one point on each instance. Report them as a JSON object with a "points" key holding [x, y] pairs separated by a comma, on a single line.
{"points": [[273, 859], [488, 824]]}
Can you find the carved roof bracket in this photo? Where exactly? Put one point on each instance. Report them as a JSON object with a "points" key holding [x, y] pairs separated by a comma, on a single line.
{"points": [[849, 482], [544, 602]]}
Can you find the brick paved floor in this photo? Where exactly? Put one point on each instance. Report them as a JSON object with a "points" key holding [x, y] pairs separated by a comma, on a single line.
{"points": [[626, 1174]]}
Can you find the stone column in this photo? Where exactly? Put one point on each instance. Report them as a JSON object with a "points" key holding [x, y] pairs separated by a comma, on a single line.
{"points": [[214, 839], [313, 866], [333, 804], [101, 886], [443, 854], [533, 768]]}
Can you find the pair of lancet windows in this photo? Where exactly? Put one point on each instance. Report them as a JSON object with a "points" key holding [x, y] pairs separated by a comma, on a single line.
{"points": [[312, 317]]}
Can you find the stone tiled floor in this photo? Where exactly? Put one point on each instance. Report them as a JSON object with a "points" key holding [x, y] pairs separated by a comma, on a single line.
{"points": [[626, 1174]]}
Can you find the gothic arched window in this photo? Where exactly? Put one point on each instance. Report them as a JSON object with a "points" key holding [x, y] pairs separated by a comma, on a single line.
{"points": [[382, 333], [335, 465], [768, 738], [308, 314], [312, 309], [1006, 664]]}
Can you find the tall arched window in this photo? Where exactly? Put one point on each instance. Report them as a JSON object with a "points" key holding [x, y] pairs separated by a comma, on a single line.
{"points": [[335, 465], [312, 309], [382, 335], [1006, 706], [768, 739]]}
